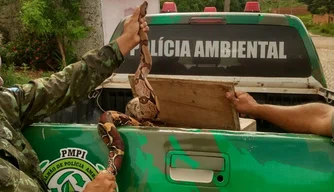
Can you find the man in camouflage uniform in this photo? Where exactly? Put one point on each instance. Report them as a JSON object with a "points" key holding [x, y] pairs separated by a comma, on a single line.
{"points": [[24, 104], [313, 118]]}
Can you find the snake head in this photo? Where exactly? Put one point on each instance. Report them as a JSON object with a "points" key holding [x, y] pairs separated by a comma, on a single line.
{"points": [[143, 9]]}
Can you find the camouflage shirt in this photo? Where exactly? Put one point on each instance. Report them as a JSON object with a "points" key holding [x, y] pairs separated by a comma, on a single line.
{"points": [[24, 104]]}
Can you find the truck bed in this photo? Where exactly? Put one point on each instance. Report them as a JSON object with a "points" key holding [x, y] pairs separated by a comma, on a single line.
{"points": [[88, 111]]}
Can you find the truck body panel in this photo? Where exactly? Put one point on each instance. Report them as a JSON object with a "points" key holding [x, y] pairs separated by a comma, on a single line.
{"points": [[182, 159]]}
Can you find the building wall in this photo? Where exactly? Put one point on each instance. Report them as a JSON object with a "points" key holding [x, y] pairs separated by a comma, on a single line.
{"points": [[323, 19], [302, 10], [114, 11]]}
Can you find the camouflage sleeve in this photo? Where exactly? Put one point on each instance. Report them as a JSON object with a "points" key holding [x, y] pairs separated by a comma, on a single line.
{"points": [[13, 179], [44, 96]]}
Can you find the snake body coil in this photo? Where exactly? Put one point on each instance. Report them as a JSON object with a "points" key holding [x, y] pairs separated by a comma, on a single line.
{"points": [[139, 111]]}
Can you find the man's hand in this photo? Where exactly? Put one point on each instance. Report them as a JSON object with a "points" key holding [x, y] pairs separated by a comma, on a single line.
{"points": [[243, 103], [104, 182], [314, 118], [130, 38]]}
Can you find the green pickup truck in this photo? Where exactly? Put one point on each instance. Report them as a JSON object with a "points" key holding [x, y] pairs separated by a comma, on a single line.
{"points": [[271, 56]]}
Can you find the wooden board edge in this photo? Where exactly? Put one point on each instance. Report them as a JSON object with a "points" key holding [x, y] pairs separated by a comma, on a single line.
{"points": [[235, 114]]}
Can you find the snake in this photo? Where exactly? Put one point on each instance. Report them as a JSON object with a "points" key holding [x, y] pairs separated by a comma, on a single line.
{"points": [[139, 111]]}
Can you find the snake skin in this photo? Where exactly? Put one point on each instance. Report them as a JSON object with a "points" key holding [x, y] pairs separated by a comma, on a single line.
{"points": [[139, 111]]}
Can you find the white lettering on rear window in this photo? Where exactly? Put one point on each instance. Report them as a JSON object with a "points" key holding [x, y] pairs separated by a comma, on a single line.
{"points": [[225, 49], [251, 49], [212, 49], [199, 49], [215, 49]]}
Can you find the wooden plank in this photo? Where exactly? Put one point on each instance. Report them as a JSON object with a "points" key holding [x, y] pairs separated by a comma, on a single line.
{"points": [[247, 124], [193, 103]]}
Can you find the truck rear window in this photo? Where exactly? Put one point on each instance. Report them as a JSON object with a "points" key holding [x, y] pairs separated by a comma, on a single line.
{"points": [[224, 50]]}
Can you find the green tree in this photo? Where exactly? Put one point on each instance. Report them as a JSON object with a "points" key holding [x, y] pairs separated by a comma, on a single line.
{"points": [[319, 6], [198, 5], [60, 18], [267, 5]]}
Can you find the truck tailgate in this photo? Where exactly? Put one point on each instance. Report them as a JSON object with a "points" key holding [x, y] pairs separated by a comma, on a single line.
{"points": [[168, 159]]}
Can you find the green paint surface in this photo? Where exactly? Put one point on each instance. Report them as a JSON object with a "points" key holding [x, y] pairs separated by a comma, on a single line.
{"points": [[67, 187], [254, 161]]}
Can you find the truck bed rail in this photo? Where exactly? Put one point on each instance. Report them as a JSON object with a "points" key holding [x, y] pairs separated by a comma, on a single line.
{"points": [[88, 111]]}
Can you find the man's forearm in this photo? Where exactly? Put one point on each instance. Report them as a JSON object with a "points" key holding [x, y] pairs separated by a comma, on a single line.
{"points": [[126, 44], [44, 96], [312, 118]]}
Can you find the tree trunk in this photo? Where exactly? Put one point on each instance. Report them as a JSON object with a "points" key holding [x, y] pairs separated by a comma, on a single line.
{"points": [[227, 6], [62, 51]]}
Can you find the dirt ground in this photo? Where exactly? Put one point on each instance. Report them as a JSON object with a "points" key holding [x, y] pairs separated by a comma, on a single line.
{"points": [[325, 49]]}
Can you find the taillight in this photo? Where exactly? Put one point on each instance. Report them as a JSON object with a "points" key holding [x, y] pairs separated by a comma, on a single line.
{"points": [[210, 9], [252, 6], [169, 7]]}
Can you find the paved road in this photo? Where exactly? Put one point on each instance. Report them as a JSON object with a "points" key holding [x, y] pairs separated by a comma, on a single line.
{"points": [[325, 49]]}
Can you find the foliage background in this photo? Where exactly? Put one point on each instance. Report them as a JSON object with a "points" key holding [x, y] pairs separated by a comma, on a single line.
{"points": [[319, 6], [198, 5]]}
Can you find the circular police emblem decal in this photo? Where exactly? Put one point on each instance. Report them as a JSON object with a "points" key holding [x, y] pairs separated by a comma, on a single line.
{"points": [[70, 172]]}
